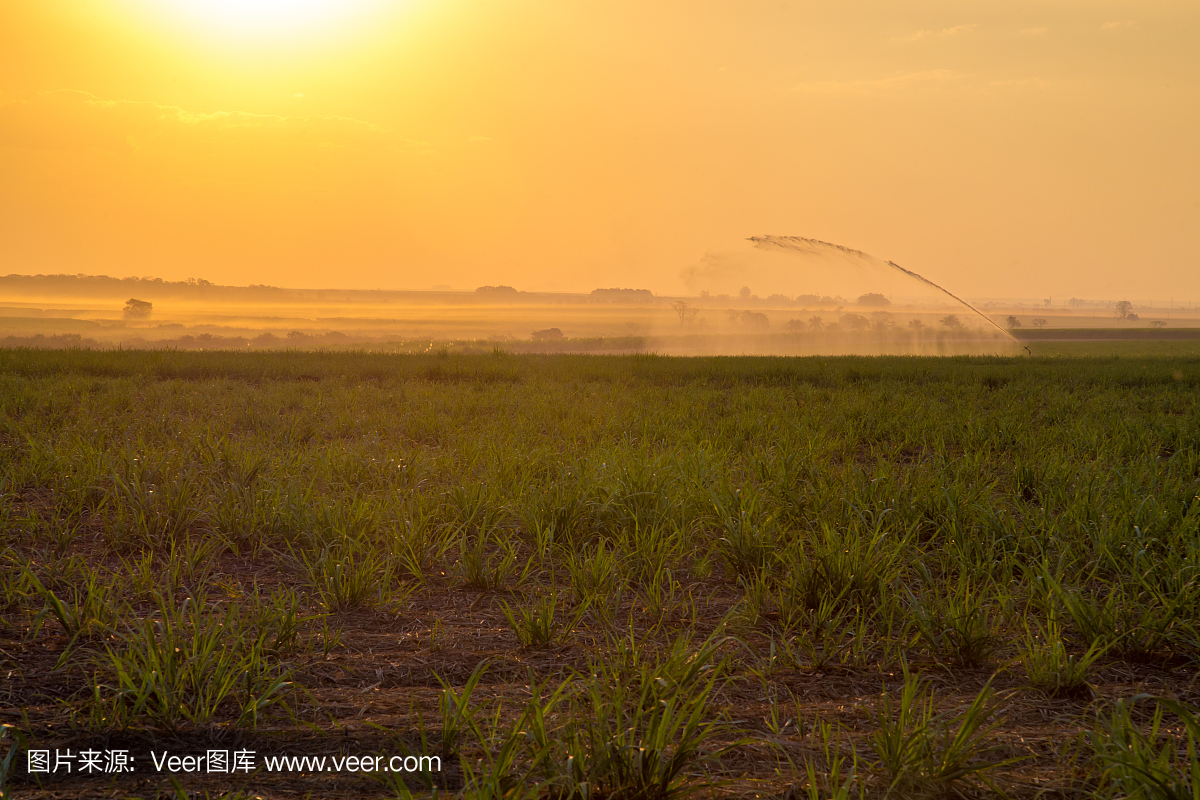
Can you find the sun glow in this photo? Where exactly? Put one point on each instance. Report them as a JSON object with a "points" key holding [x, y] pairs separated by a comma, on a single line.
{"points": [[267, 15]]}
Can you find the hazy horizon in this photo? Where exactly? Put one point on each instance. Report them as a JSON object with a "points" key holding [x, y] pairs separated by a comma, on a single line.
{"points": [[865, 313], [27, 289]]}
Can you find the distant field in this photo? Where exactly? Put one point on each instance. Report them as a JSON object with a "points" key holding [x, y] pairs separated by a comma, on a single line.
{"points": [[1106, 334], [1110, 342], [1127, 348], [606, 576]]}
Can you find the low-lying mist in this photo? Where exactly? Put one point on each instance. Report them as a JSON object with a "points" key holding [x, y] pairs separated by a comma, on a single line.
{"points": [[768, 295]]}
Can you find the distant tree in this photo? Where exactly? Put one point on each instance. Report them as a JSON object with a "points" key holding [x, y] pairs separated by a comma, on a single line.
{"points": [[748, 319], [916, 325], [744, 293], [1123, 310], [882, 321], [951, 322], [1039, 322], [622, 295], [1158, 323], [873, 299], [686, 313], [754, 319], [1131, 317], [796, 325], [547, 334], [137, 309], [1013, 322], [505, 291], [855, 322], [815, 323]]}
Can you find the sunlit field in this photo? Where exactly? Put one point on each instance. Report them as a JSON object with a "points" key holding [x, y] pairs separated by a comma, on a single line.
{"points": [[574, 576]]}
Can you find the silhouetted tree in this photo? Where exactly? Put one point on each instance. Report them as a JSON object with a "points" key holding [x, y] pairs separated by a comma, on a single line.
{"points": [[749, 319], [815, 323], [916, 325], [754, 319], [1013, 322], [855, 322], [137, 309], [1039, 322], [686, 313], [951, 322], [873, 299], [1123, 310], [623, 295], [744, 293]]}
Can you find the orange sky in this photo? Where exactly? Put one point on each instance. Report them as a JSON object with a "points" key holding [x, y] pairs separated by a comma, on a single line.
{"points": [[1010, 149]]}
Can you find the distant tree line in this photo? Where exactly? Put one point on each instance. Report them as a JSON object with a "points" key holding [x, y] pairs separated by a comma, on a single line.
{"points": [[104, 286], [879, 322], [800, 300], [622, 295]]}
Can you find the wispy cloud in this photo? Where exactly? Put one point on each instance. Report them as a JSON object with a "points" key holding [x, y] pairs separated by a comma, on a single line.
{"points": [[927, 81], [943, 33], [1039, 84], [935, 77], [68, 120]]}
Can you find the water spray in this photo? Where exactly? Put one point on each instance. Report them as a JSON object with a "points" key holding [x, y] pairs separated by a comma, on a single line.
{"points": [[797, 242]]}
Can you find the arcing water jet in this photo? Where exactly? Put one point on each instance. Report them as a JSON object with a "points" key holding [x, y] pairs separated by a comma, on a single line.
{"points": [[803, 245]]}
